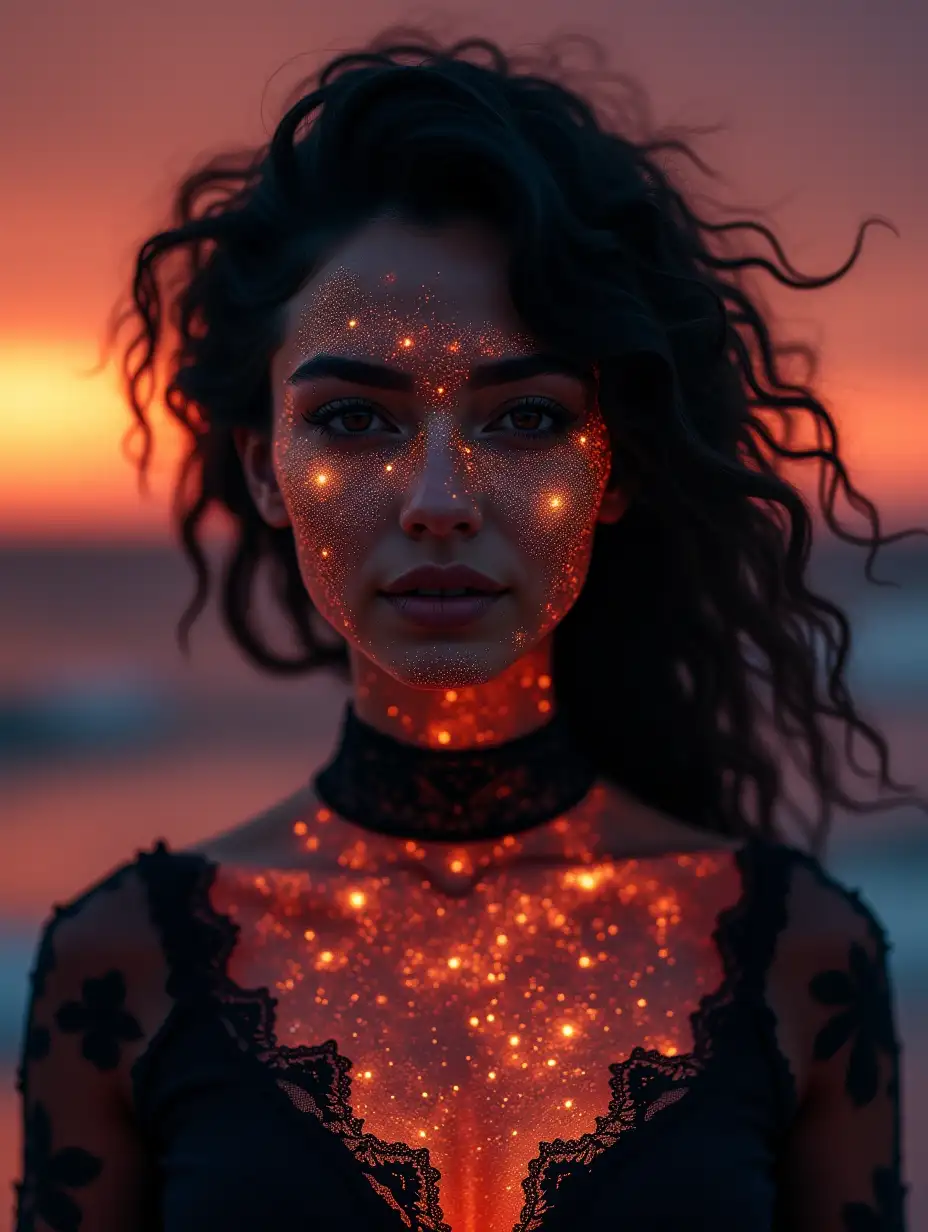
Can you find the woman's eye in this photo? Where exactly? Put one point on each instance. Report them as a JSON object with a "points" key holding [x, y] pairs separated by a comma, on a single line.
{"points": [[532, 417], [349, 418]]}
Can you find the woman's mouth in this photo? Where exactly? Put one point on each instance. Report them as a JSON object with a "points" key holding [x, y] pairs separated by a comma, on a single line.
{"points": [[442, 609], [435, 597]]}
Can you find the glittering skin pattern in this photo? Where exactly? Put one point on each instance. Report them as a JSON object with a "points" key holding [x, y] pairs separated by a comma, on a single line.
{"points": [[434, 465], [480, 996]]}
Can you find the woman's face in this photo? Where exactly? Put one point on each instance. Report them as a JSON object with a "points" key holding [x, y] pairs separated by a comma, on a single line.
{"points": [[442, 474]]}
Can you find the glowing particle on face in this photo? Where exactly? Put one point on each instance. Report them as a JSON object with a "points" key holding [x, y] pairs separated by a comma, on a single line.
{"points": [[407, 342], [300, 827], [368, 1074], [551, 1061], [582, 440], [491, 1018], [357, 898], [544, 707], [502, 939], [544, 682], [326, 956], [492, 1074], [584, 960], [568, 1103], [514, 1041], [587, 881], [309, 934], [642, 1002], [421, 1133], [393, 711], [324, 553], [444, 737], [323, 814], [454, 963], [456, 866], [474, 1020], [454, 347], [451, 696], [352, 323], [388, 467], [567, 1030], [555, 502], [322, 479]]}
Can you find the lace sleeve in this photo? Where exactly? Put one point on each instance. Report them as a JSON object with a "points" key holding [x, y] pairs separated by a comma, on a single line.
{"points": [[841, 1163], [84, 1165]]}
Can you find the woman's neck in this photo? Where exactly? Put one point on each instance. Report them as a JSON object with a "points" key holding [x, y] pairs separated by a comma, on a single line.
{"points": [[517, 702]]}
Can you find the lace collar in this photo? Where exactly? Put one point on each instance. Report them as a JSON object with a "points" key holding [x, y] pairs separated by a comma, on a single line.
{"points": [[412, 792]]}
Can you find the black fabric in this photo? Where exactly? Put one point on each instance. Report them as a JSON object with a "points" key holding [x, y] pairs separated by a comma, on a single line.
{"points": [[413, 792]]}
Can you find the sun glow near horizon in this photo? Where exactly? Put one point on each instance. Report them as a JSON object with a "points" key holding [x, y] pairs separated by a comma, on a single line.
{"points": [[64, 473]]}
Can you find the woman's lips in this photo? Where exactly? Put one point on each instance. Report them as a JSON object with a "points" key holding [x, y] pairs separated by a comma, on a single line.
{"points": [[442, 611]]}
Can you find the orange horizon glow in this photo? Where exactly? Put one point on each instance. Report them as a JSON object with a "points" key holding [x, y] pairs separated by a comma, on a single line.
{"points": [[64, 474]]}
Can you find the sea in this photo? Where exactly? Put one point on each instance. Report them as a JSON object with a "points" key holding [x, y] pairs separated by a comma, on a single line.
{"points": [[110, 738]]}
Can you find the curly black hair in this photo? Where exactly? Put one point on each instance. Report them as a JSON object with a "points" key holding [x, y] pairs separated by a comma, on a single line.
{"points": [[696, 613]]}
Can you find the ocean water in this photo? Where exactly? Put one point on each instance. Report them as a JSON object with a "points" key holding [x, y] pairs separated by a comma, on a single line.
{"points": [[109, 739]]}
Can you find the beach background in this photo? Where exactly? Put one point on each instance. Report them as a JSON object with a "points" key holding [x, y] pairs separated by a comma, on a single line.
{"points": [[109, 739]]}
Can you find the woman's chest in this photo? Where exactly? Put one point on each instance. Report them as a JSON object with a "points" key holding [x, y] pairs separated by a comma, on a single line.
{"points": [[474, 1030]]}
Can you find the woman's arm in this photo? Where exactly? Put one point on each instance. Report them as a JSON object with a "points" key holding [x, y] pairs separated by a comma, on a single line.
{"points": [[840, 1169], [84, 1165]]}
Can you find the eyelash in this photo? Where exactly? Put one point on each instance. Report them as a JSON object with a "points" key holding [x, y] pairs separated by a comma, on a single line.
{"points": [[322, 417]]}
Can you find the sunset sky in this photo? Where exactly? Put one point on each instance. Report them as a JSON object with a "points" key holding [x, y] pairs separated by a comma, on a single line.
{"points": [[105, 103]]}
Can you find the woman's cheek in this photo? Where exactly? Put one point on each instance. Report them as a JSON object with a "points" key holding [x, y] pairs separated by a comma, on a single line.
{"points": [[548, 502], [339, 506]]}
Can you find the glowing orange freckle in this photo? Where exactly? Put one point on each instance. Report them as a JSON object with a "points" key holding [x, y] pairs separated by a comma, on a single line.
{"points": [[582, 440], [551, 1061], [642, 1002], [326, 956], [567, 1030], [568, 1103], [544, 707], [357, 898], [514, 1041], [312, 843], [451, 696], [584, 960], [454, 963], [671, 1051], [491, 1017], [474, 1020], [544, 682], [492, 1074], [324, 552], [393, 711], [389, 466], [456, 866], [555, 502], [300, 827], [587, 881], [421, 1133], [322, 479], [407, 342], [502, 939], [352, 323], [454, 347], [444, 737], [368, 1074], [441, 389], [309, 934], [323, 814]]}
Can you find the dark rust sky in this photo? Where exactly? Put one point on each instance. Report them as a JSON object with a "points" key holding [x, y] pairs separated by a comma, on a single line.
{"points": [[106, 102]]}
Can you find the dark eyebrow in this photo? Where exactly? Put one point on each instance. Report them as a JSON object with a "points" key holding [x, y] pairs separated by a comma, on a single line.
{"points": [[383, 376]]}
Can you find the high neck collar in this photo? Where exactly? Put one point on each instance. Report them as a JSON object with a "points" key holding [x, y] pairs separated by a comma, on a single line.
{"points": [[413, 792]]}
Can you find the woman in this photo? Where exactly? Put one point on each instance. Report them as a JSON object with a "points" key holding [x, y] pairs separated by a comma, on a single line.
{"points": [[490, 400]]}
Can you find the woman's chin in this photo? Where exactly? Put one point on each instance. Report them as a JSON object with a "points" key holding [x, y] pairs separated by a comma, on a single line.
{"points": [[445, 664]]}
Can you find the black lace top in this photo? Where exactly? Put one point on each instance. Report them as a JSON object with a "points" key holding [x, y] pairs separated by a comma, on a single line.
{"points": [[695, 1041], [229, 1128]]}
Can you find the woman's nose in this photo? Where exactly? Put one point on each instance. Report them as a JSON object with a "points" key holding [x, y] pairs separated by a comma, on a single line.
{"points": [[440, 499]]}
